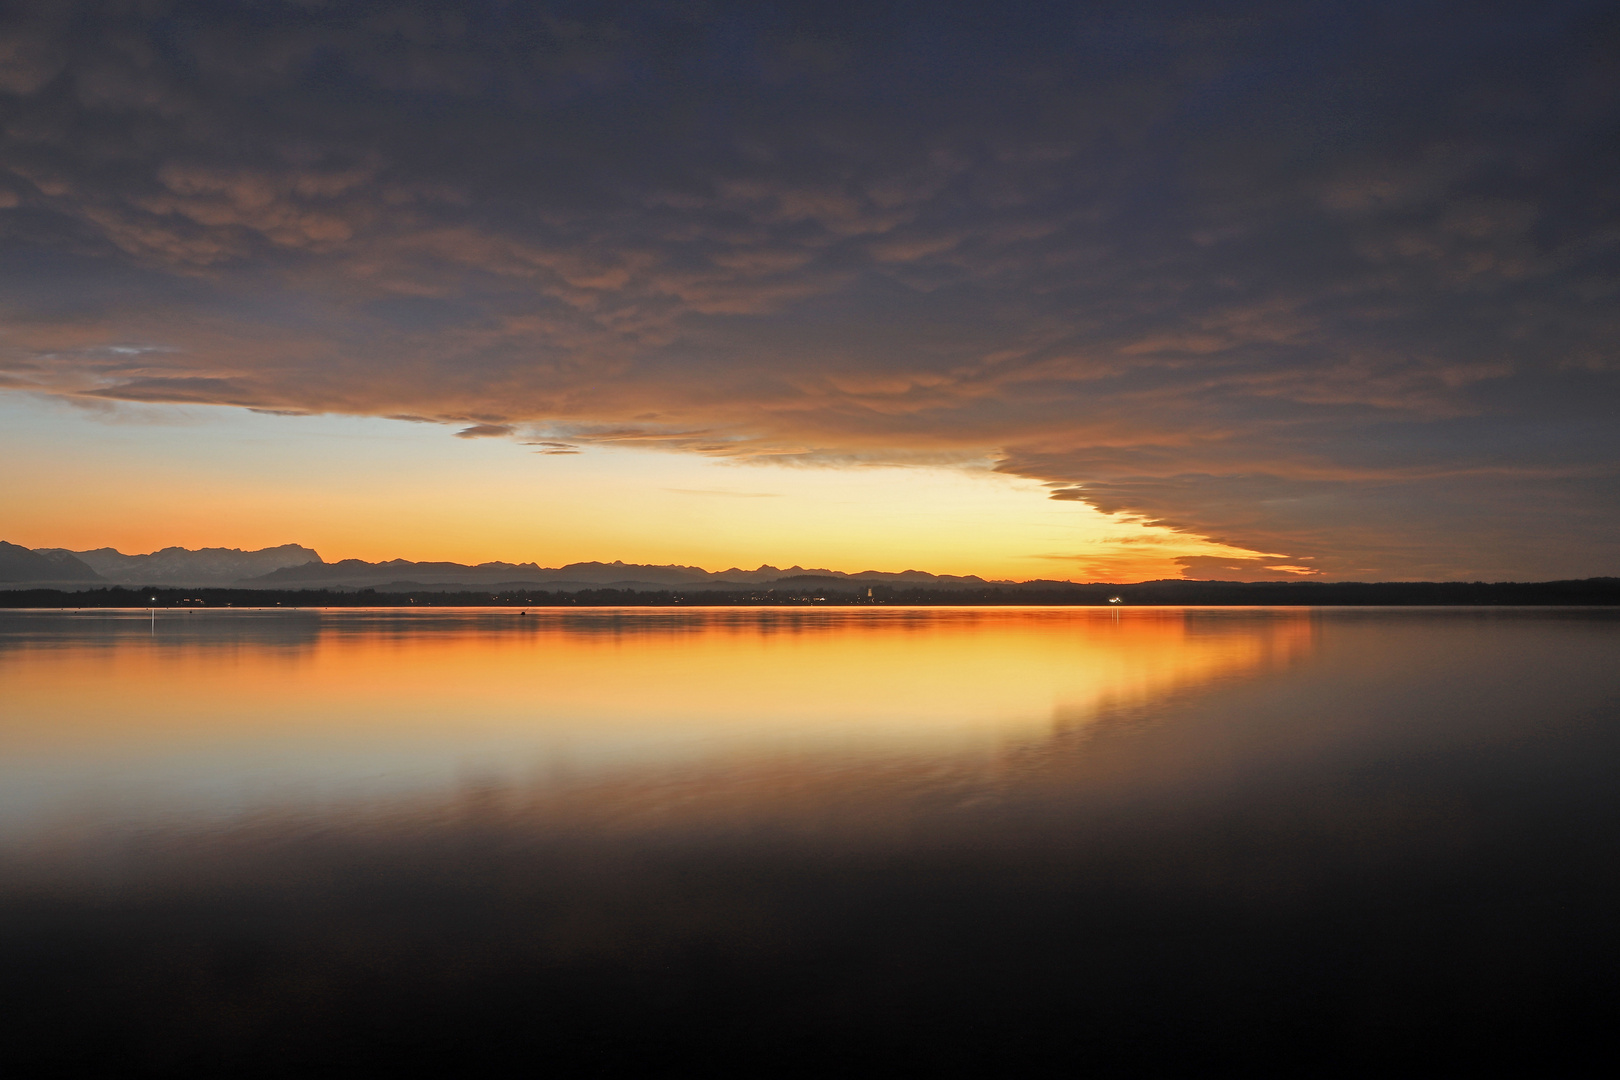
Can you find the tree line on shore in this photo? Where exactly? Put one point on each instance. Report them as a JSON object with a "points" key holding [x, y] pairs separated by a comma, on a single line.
{"points": [[1589, 591]]}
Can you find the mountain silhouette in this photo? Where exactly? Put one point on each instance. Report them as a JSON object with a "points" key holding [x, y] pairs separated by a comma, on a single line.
{"points": [[356, 573], [18, 563], [294, 566], [185, 566]]}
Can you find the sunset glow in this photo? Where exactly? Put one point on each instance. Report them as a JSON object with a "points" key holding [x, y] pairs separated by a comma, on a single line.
{"points": [[147, 477], [881, 538]]}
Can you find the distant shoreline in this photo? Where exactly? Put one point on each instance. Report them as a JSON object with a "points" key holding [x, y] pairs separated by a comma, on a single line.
{"points": [[840, 593]]}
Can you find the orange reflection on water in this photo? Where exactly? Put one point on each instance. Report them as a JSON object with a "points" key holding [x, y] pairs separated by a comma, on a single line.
{"points": [[219, 711]]}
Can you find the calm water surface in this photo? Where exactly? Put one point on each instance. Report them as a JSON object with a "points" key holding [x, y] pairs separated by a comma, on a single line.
{"points": [[260, 841]]}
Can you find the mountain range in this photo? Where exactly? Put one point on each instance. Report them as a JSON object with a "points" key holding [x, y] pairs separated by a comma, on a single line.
{"points": [[292, 566], [183, 566], [50, 565]]}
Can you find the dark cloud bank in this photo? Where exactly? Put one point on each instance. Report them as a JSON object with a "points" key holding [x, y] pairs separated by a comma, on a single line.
{"points": [[1336, 282]]}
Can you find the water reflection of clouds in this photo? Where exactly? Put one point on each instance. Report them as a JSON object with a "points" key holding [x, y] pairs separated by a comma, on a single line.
{"points": [[216, 714]]}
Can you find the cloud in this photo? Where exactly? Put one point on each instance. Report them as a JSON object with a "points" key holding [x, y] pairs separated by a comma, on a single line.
{"points": [[484, 431], [191, 390], [1278, 279]]}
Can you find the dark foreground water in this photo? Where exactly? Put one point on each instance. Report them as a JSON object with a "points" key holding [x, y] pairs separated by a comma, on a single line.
{"points": [[868, 840]]}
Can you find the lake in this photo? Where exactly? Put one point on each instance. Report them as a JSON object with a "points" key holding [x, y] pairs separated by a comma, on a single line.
{"points": [[259, 841]]}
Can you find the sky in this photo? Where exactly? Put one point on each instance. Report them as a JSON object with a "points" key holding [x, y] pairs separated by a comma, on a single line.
{"points": [[1085, 291]]}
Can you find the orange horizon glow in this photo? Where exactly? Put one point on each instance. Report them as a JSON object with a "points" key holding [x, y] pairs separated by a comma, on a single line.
{"points": [[378, 490]]}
